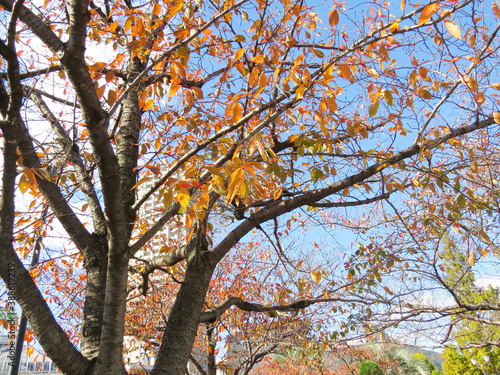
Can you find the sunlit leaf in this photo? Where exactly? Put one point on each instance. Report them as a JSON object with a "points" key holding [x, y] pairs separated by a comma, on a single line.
{"points": [[427, 13], [316, 276], [24, 183], [496, 117], [453, 29], [183, 197]]}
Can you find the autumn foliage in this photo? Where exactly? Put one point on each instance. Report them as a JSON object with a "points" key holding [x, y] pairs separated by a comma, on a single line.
{"points": [[272, 172]]}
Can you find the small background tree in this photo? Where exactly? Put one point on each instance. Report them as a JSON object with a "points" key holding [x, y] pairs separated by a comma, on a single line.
{"points": [[370, 368]]}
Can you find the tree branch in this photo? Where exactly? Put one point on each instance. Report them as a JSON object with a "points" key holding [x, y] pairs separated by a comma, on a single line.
{"points": [[287, 205]]}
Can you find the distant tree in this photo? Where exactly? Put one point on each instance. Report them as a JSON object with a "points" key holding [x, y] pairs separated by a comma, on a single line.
{"points": [[370, 368], [471, 330]]}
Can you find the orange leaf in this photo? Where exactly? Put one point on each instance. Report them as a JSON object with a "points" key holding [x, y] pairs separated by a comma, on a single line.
{"points": [[156, 9], [495, 9], [427, 13], [141, 181], [453, 29], [189, 97], [238, 54], [179, 69], [184, 184], [237, 112], [333, 18], [97, 66]]}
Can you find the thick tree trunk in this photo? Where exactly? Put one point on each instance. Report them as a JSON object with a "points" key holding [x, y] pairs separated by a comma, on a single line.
{"points": [[110, 361], [93, 308], [182, 325]]}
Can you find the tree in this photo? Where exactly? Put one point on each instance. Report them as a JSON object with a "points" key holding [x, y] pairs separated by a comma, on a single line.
{"points": [[369, 368], [258, 108], [468, 330]]}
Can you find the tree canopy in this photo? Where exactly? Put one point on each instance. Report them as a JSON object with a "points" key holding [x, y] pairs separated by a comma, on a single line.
{"points": [[247, 125]]}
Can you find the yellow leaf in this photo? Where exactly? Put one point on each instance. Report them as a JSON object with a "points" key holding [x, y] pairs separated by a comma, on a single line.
{"points": [[24, 183], [373, 109], [259, 59], [235, 180], [316, 276], [183, 198], [333, 18], [214, 171], [373, 73], [424, 94], [345, 192], [299, 93], [128, 23], [480, 98], [472, 258], [388, 97], [453, 29], [427, 13], [239, 54], [496, 86], [496, 117], [306, 78], [168, 198]]}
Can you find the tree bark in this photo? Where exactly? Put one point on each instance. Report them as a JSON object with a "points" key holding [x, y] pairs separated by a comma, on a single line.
{"points": [[182, 325]]}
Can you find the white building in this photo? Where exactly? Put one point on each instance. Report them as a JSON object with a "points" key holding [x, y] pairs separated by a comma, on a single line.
{"points": [[33, 363]]}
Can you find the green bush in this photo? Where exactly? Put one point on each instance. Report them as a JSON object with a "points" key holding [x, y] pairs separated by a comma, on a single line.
{"points": [[370, 368]]}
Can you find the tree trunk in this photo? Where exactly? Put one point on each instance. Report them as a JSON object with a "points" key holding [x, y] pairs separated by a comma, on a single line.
{"points": [[182, 325]]}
